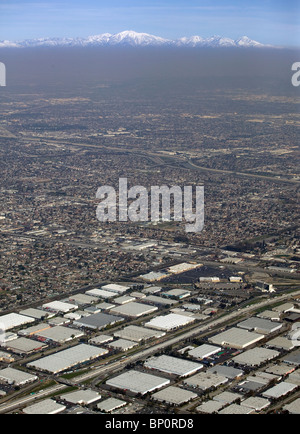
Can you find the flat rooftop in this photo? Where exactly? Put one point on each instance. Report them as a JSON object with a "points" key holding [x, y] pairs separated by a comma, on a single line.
{"points": [[236, 338], [14, 376], [98, 321], [206, 380], [204, 351], [47, 406], [13, 320], [137, 334], [174, 395], [255, 356], [133, 310], [137, 382], [169, 322], [66, 359], [173, 365]]}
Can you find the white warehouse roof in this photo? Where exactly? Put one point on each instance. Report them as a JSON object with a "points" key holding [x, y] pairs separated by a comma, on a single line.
{"points": [[100, 293], [12, 320], [137, 334], [47, 406], [255, 356], [279, 390], [137, 382], [204, 351], [115, 288], [14, 376], [68, 358], [174, 395], [236, 338], [133, 310], [173, 365], [169, 322], [60, 306]]}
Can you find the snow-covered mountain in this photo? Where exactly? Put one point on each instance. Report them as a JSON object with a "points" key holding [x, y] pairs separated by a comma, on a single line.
{"points": [[131, 38]]}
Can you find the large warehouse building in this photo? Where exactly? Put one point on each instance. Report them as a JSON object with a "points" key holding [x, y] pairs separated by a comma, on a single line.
{"points": [[13, 320], [236, 338], [169, 322], [204, 351], [66, 359], [173, 365], [97, 321], [133, 310], [260, 325], [16, 377], [174, 396], [137, 334], [137, 382]]}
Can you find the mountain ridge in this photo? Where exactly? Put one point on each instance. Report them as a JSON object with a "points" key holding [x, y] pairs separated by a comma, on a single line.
{"points": [[134, 39]]}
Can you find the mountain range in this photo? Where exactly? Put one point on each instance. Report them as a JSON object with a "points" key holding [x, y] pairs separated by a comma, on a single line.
{"points": [[131, 38]]}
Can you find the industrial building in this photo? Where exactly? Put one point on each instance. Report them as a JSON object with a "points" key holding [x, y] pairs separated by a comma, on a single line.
{"points": [[81, 397], [173, 365], [138, 334], [24, 346], [210, 407], [116, 288], [293, 358], [227, 371], [236, 409], [204, 351], [281, 343], [101, 339], [154, 276], [111, 404], [59, 307], [82, 299], [236, 338], [66, 359], [16, 377], [152, 289], [37, 314], [260, 325], [256, 403], [6, 357], [177, 293], [280, 369], [124, 299], [293, 407], [122, 345], [169, 322], [133, 310], [30, 331], [255, 356], [97, 321], [205, 381], [47, 406], [227, 397], [281, 389], [137, 382], [13, 320], [174, 396], [60, 334], [159, 301], [183, 267], [294, 377], [269, 314], [100, 293]]}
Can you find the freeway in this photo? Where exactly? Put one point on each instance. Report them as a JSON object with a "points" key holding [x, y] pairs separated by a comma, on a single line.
{"points": [[120, 364], [161, 159]]}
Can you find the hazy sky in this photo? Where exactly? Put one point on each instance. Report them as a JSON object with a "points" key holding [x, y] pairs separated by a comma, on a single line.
{"points": [[268, 21]]}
